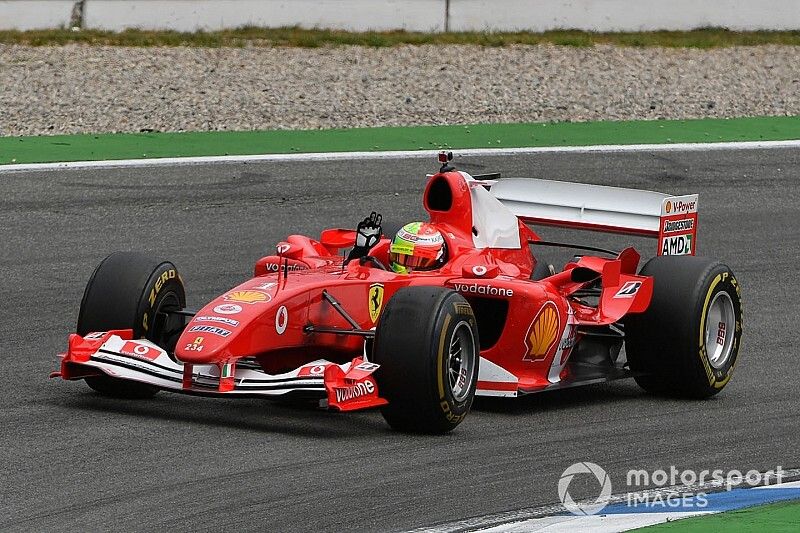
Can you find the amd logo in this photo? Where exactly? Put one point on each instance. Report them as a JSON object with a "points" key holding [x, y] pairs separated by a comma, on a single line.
{"points": [[677, 245]]}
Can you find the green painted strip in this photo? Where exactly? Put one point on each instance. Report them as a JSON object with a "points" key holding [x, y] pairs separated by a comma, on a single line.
{"points": [[313, 38], [775, 518], [45, 149]]}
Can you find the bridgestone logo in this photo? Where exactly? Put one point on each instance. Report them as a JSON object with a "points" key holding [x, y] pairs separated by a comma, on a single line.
{"points": [[484, 289], [685, 224], [356, 391]]}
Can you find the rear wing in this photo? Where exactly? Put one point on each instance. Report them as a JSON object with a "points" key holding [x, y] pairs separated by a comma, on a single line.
{"points": [[670, 219]]}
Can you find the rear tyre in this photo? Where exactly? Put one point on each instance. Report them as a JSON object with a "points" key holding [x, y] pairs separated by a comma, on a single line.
{"points": [[687, 341], [131, 291], [427, 345]]}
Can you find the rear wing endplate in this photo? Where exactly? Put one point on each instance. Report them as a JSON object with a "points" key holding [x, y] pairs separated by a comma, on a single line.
{"points": [[670, 219]]}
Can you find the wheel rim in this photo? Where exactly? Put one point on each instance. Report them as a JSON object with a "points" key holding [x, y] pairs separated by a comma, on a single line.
{"points": [[461, 361], [720, 324]]}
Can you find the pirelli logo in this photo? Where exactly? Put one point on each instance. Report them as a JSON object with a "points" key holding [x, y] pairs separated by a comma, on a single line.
{"points": [[685, 224], [463, 309]]}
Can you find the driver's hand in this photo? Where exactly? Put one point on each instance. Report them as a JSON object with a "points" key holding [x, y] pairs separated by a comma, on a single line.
{"points": [[368, 232]]}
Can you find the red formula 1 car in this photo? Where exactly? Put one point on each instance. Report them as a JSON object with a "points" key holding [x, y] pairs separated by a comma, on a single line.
{"points": [[489, 319]]}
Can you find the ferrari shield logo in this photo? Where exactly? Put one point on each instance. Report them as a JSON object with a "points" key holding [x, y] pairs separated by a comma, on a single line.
{"points": [[375, 300]]}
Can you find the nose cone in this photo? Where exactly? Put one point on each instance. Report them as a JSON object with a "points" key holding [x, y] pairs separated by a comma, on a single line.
{"points": [[209, 335]]}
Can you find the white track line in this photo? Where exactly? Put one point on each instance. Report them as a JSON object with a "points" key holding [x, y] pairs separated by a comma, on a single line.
{"points": [[399, 154], [593, 524]]}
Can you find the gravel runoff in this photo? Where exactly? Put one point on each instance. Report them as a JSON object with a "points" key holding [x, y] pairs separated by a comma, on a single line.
{"points": [[81, 89]]}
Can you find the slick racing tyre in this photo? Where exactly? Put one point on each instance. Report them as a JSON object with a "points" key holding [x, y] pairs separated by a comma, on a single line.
{"points": [[427, 345], [687, 342], [131, 291]]}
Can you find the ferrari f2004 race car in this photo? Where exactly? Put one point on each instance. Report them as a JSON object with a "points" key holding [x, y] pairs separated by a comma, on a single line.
{"points": [[485, 318]]}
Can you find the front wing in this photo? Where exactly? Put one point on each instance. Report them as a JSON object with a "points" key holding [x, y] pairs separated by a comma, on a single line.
{"points": [[342, 387]]}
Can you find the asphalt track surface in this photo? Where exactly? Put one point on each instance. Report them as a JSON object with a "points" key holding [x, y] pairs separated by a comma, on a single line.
{"points": [[72, 460]]}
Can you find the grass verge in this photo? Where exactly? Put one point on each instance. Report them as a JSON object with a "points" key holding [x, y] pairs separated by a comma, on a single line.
{"points": [[775, 518], [298, 37]]}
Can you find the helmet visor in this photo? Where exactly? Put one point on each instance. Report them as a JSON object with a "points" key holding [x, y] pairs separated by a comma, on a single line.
{"points": [[414, 262]]}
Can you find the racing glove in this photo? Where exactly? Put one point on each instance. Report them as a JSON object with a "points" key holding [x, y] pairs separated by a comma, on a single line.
{"points": [[368, 233]]}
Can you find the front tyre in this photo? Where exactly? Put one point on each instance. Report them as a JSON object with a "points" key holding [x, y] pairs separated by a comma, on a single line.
{"points": [[687, 342], [427, 345], [132, 291]]}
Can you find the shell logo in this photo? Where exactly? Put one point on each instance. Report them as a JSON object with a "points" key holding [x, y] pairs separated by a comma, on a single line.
{"points": [[247, 297], [543, 333], [668, 207]]}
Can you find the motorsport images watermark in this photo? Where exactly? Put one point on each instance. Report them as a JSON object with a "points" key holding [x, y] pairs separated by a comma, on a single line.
{"points": [[665, 489]]}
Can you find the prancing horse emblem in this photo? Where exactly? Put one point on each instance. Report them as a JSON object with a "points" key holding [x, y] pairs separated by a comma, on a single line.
{"points": [[375, 300]]}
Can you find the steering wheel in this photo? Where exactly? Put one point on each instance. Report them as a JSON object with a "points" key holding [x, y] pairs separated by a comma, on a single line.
{"points": [[374, 261]]}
